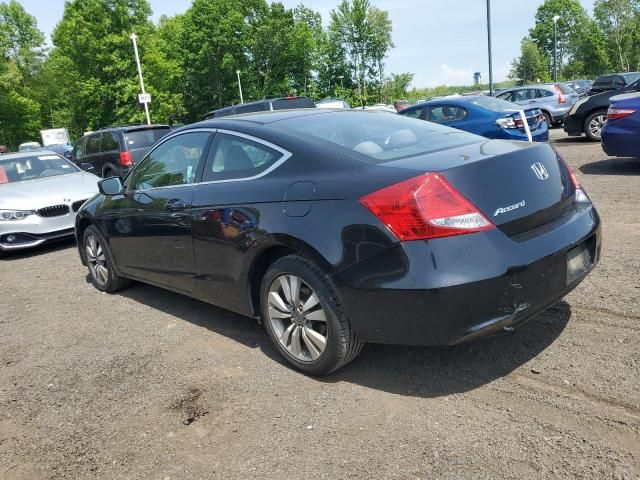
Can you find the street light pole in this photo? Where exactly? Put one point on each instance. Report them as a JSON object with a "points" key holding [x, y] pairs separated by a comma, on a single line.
{"points": [[555, 50], [489, 46], [133, 38], [239, 86]]}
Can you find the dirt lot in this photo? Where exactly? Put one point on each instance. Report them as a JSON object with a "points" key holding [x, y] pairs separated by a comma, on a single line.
{"points": [[152, 385]]}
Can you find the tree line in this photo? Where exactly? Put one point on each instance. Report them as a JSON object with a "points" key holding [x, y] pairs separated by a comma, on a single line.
{"points": [[587, 46], [87, 78]]}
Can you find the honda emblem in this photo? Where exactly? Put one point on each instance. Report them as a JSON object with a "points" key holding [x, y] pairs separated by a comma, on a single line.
{"points": [[540, 170]]}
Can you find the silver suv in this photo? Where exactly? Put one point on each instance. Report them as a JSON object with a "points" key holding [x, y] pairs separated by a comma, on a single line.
{"points": [[554, 99]]}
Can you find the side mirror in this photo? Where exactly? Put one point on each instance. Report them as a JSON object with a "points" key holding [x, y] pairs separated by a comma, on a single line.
{"points": [[86, 166], [110, 186]]}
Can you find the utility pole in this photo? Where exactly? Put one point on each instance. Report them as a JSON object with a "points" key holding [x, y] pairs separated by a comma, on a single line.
{"points": [[144, 98], [555, 50], [239, 86], [489, 46]]}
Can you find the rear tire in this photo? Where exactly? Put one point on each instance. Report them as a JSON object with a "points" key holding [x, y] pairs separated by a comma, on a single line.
{"points": [[593, 125], [99, 263], [548, 119], [304, 317]]}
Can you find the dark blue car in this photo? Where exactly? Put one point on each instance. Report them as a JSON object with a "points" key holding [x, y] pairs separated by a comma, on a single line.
{"points": [[621, 132], [487, 116]]}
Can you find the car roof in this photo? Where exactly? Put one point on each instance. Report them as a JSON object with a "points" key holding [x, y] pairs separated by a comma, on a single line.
{"points": [[32, 153], [271, 116]]}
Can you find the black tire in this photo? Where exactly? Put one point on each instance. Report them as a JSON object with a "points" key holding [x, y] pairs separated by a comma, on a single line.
{"points": [[593, 125], [107, 173], [342, 345], [548, 119], [100, 264]]}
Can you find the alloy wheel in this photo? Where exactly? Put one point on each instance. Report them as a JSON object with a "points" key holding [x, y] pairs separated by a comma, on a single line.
{"points": [[596, 124], [97, 260], [297, 318]]}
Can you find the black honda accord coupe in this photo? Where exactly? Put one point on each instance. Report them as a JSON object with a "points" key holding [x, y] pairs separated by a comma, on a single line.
{"points": [[337, 228]]}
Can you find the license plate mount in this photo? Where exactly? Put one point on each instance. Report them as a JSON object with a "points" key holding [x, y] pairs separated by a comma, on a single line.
{"points": [[579, 260]]}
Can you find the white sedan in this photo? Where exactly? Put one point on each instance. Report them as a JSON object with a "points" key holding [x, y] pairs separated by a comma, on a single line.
{"points": [[40, 193]]}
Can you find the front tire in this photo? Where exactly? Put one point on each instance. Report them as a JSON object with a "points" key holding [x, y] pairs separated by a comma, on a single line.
{"points": [[593, 125], [101, 271], [304, 317]]}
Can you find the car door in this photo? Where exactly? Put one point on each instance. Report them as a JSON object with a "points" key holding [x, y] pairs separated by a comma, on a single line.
{"points": [[235, 192], [149, 225]]}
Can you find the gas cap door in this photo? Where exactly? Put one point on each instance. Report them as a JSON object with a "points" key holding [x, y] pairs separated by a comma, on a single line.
{"points": [[299, 198]]}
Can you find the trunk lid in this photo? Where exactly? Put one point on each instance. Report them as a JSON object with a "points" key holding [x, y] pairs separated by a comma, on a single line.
{"points": [[517, 185]]}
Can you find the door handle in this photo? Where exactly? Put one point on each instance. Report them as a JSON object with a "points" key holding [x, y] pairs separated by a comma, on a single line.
{"points": [[175, 205]]}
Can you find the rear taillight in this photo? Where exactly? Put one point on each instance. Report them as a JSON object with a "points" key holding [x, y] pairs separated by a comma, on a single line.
{"points": [[618, 113], [506, 122], [581, 195], [125, 159], [561, 97], [519, 123], [425, 207]]}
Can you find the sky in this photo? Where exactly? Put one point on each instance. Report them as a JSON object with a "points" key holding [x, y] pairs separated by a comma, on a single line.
{"points": [[439, 41]]}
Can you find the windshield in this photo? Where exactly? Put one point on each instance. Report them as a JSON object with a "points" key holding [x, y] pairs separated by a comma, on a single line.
{"points": [[495, 104], [145, 138], [21, 169], [380, 136]]}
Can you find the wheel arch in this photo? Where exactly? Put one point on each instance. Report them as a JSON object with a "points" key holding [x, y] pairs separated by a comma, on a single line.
{"points": [[283, 246]]}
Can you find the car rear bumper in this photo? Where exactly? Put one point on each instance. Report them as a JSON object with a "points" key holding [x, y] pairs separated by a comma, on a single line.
{"points": [[618, 141], [573, 125], [451, 290]]}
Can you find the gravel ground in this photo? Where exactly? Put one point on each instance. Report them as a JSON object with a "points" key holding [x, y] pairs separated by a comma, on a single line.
{"points": [[147, 384]]}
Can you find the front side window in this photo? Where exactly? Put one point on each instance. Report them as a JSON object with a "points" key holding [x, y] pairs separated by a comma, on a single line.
{"points": [[508, 96], [174, 162], [233, 157]]}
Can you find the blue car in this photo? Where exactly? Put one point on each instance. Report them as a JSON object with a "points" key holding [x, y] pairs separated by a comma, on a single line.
{"points": [[621, 132], [487, 116]]}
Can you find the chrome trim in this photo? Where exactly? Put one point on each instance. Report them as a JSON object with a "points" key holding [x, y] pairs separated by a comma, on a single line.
{"points": [[285, 156]]}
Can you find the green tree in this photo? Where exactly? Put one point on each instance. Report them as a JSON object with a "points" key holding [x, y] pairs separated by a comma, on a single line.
{"points": [[619, 20], [570, 28], [531, 66], [396, 86]]}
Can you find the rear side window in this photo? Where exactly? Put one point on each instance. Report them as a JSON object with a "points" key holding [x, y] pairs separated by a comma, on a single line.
{"points": [[109, 142], [618, 82], [378, 136], [144, 138], [446, 113], [413, 113], [293, 102], [233, 157], [547, 93], [254, 107], [93, 144]]}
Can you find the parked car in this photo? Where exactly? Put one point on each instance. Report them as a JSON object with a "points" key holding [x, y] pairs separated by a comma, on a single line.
{"points": [[615, 81], [344, 227], [29, 146], [554, 99], [486, 116], [589, 114], [401, 105], [62, 150], [114, 151], [40, 193], [380, 107], [333, 103], [581, 87], [282, 103], [621, 132]]}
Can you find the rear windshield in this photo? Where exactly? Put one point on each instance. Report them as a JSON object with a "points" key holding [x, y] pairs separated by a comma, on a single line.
{"points": [[631, 77], [21, 169], [145, 138], [250, 108], [379, 136], [564, 88], [494, 104], [294, 102]]}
